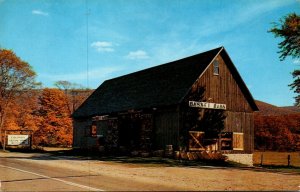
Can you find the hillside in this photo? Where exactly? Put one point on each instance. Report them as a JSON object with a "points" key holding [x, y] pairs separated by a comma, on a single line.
{"points": [[276, 128], [292, 108], [266, 109]]}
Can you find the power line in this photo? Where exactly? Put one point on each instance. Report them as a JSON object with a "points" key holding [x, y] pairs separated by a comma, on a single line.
{"points": [[87, 43]]}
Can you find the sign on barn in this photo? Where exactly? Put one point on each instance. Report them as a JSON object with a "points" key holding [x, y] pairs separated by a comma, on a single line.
{"points": [[207, 105], [18, 140]]}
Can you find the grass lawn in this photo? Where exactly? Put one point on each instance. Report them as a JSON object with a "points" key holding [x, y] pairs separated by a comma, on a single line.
{"points": [[277, 158]]}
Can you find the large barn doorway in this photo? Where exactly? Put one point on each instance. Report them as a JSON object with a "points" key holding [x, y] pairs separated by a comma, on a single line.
{"points": [[135, 131], [129, 132]]}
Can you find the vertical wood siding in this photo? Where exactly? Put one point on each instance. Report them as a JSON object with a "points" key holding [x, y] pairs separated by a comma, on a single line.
{"points": [[224, 89], [166, 129], [79, 131]]}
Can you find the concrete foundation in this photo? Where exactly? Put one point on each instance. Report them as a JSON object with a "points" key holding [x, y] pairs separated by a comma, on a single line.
{"points": [[246, 159]]}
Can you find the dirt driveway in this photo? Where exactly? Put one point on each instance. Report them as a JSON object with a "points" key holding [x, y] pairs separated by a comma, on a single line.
{"points": [[186, 178]]}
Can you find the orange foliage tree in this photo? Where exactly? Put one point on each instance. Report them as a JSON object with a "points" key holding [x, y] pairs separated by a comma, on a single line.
{"points": [[55, 125], [277, 132], [20, 112], [15, 77]]}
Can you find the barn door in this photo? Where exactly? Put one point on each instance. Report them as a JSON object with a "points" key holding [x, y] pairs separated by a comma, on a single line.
{"points": [[196, 141], [238, 141]]}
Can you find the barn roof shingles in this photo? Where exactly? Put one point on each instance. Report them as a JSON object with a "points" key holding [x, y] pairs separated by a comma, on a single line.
{"points": [[161, 85]]}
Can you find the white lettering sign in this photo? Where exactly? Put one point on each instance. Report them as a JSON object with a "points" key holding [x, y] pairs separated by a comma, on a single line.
{"points": [[207, 105], [18, 140]]}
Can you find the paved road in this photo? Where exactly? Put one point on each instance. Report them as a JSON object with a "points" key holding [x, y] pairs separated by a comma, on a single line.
{"points": [[19, 175], [42, 172]]}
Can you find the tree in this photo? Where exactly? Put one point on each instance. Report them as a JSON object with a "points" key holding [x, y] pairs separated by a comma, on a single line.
{"points": [[296, 86], [55, 126], [276, 132], [289, 30], [75, 93], [20, 113], [15, 77], [209, 121]]}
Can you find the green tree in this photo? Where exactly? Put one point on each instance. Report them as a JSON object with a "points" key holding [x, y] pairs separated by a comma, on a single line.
{"points": [[296, 86], [289, 30], [16, 76]]}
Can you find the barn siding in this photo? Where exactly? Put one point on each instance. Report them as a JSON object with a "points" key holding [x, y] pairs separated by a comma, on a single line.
{"points": [[166, 128], [223, 88], [79, 138]]}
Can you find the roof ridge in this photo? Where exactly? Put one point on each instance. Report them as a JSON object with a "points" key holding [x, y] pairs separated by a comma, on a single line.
{"points": [[163, 84], [221, 49], [168, 63]]}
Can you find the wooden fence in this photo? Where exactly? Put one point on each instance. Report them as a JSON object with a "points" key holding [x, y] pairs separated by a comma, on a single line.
{"points": [[277, 158]]}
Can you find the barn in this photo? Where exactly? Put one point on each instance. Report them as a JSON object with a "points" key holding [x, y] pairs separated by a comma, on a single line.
{"points": [[192, 104]]}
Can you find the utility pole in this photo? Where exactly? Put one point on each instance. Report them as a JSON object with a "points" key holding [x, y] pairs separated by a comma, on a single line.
{"points": [[87, 43]]}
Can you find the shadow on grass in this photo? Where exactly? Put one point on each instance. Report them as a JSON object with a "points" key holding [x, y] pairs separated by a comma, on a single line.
{"points": [[285, 168], [164, 162], [74, 154]]}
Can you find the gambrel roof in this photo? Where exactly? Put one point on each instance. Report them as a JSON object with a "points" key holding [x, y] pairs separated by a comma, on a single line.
{"points": [[162, 85]]}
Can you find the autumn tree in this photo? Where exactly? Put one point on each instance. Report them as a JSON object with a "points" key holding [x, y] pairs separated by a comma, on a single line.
{"points": [[277, 132], [16, 76], [289, 30], [55, 126], [20, 112]]}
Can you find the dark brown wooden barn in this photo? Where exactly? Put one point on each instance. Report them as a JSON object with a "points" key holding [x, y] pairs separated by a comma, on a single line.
{"points": [[195, 103]]}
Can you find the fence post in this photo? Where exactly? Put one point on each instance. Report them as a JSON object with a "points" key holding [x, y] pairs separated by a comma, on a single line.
{"points": [[289, 160], [261, 159], [4, 143]]}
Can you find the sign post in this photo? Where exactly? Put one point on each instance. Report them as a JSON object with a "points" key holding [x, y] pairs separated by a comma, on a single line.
{"points": [[4, 140]]}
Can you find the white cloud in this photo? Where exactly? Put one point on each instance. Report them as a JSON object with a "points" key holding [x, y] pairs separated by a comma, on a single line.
{"points": [[95, 74], [297, 61], [139, 54], [260, 8], [39, 12], [239, 16], [103, 46]]}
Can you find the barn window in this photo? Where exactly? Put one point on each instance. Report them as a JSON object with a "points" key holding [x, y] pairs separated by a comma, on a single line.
{"points": [[93, 131], [232, 141], [226, 141], [216, 67], [90, 131]]}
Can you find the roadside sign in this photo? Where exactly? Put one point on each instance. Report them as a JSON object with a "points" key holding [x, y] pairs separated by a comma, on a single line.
{"points": [[18, 140]]}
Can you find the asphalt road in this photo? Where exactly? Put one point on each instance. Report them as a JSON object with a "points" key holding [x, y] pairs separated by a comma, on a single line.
{"points": [[45, 172], [18, 175]]}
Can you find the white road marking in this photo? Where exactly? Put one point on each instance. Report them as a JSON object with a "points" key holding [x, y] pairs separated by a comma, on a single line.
{"points": [[55, 179]]}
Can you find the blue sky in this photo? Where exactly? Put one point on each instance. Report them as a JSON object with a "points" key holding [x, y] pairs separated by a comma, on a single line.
{"points": [[123, 36]]}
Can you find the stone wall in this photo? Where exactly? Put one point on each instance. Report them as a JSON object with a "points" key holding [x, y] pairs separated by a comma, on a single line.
{"points": [[246, 159]]}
